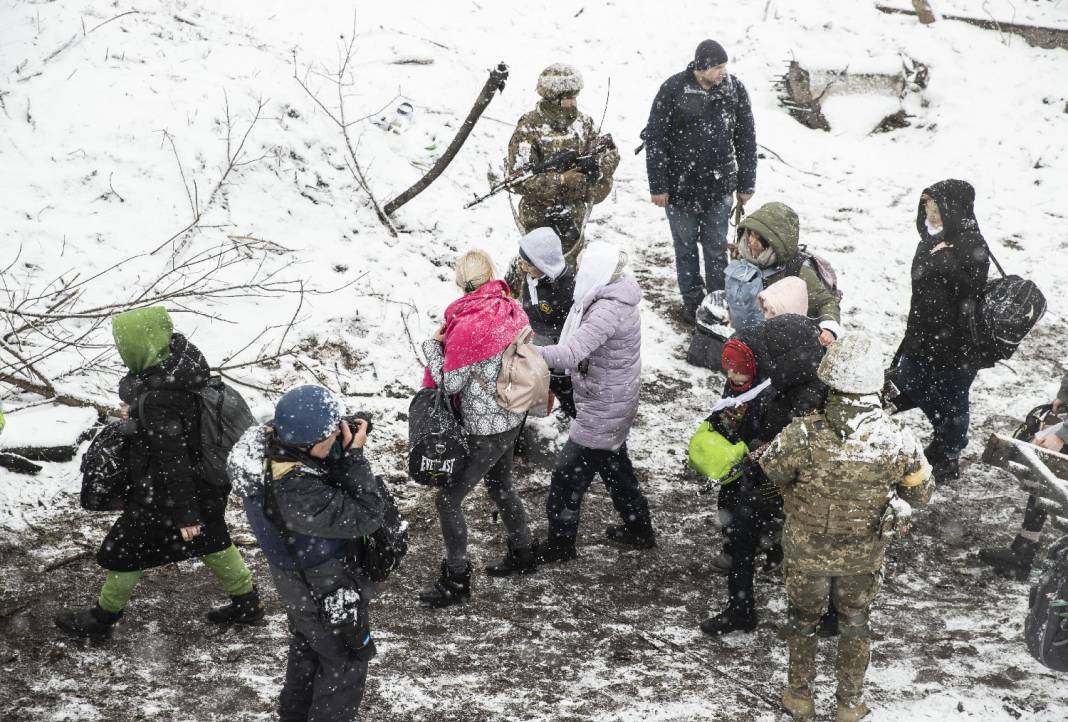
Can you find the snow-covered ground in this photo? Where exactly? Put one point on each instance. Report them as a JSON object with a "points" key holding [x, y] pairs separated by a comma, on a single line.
{"points": [[114, 126]]}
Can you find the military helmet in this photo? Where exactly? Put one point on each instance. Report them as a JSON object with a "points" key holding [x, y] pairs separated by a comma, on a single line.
{"points": [[559, 80], [853, 365]]}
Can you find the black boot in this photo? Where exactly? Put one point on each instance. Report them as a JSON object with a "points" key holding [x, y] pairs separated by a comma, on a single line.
{"points": [[450, 588], [774, 560], [242, 609], [828, 624], [1014, 562], [640, 537], [947, 469], [934, 453], [93, 622], [516, 561], [556, 549], [735, 618]]}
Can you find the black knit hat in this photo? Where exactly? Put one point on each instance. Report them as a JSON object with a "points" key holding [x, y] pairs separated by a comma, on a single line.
{"points": [[709, 54]]}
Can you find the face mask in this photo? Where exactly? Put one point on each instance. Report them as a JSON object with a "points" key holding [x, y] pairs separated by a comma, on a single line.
{"points": [[932, 230]]}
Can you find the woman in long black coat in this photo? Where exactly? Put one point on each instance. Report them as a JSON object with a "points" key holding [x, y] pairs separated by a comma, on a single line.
{"points": [[939, 356], [170, 513]]}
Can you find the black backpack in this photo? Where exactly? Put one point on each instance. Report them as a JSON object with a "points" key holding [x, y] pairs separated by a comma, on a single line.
{"points": [[105, 470], [437, 442], [1046, 626], [1010, 308], [381, 552], [224, 417]]}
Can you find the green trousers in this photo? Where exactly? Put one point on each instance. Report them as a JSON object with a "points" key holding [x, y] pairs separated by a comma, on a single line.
{"points": [[227, 565]]}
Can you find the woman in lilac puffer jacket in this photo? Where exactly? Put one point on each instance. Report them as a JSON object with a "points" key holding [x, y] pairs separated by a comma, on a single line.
{"points": [[600, 347]]}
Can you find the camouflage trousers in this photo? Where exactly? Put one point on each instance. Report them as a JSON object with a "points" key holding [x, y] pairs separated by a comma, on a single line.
{"points": [[852, 597]]}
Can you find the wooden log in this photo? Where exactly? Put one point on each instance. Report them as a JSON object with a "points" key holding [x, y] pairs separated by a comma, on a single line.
{"points": [[1035, 35], [44, 453], [494, 83], [1043, 470], [799, 100], [59, 398], [924, 11]]}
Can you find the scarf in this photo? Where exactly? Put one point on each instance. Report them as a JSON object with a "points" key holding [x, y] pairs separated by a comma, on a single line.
{"points": [[766, 258], [598, 267], [478, 326]]}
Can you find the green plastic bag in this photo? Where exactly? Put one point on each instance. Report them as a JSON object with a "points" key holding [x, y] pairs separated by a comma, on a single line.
{"points": [[714, 455]]}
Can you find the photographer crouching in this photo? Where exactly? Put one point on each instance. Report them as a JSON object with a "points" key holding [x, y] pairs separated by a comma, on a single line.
{"points": [[310, 498]]}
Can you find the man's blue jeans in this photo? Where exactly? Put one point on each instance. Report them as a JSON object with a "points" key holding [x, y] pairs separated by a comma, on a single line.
{"points": [[942, 393], [706, 229]]}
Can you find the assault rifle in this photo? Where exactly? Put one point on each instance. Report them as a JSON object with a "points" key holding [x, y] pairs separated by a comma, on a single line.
{"points": [[587, 161]]}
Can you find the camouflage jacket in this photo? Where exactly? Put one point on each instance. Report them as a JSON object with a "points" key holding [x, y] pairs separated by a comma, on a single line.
{"points": [[848, 477], [546, 130]]}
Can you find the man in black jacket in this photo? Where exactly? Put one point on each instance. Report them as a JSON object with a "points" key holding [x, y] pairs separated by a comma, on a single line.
{"points": [[701, 148], [548, 294], [318, 490]]}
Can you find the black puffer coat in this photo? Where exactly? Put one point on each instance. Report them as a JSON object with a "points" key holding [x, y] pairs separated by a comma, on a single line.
{"points": [[948, 281], [165, 494], [788, 352]]}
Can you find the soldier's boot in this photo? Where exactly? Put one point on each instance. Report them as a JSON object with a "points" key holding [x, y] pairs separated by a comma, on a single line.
{"points": [[801, 673], [851, 664], [852, 714], [1013, 562]]}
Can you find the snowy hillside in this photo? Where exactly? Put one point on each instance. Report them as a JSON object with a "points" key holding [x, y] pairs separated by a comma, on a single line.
{"points": [[119, 120]]}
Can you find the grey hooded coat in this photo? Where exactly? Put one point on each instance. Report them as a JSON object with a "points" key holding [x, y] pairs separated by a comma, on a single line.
{"points": [[604, 355]]}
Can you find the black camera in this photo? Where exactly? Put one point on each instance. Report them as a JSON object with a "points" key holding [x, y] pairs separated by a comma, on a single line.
{"points": [[361, 416]]}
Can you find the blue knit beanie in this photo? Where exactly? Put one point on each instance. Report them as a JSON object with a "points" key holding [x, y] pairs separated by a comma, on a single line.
{"points": [[305, 415]]}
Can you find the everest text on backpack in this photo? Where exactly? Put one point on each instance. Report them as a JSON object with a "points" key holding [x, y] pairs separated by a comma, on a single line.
{"points": [[437, 443]]}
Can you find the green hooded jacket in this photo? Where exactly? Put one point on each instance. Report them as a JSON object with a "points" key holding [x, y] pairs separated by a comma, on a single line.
{"points": [[143, 337], [777, 223]]}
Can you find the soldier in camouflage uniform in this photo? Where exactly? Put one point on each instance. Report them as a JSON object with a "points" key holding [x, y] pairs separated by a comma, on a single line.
{"points": [[848, 476], [554, 125]]}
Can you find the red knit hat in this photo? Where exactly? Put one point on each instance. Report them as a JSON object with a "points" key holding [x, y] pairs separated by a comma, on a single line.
{"points": [[739, 358]]}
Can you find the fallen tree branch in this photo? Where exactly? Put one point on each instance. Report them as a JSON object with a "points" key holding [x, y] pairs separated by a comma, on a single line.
{"points": [[59, 398], [1035, 35], [494, 84], [27, 365]]}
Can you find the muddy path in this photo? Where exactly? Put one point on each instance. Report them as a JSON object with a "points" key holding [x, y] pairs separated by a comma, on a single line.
{"points": [[610, 636]]}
